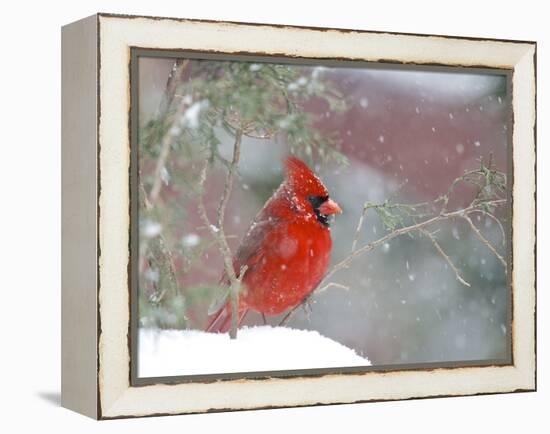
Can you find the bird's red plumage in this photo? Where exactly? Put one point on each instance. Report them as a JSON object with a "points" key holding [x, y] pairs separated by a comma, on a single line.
{"points": [[286, 249]]}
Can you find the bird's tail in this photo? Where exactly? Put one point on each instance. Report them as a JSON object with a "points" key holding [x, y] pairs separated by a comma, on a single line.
{"points": [[220, 322]]}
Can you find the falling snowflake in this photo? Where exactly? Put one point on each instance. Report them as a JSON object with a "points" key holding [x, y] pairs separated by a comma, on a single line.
{"points": [[192, 114], [152, 275], [455, 233], [151, 229], [165, 176], [190, 240]]}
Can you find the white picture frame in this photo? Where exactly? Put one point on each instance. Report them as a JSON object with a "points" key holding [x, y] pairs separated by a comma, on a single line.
{"points": [[96, 303]]}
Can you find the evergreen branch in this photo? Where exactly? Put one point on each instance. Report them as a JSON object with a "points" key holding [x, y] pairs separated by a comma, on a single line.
{"points": [[159, 251], [161, 256]]}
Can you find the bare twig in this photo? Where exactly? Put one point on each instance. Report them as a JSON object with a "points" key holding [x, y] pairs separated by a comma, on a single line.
{"points": [[497, 221], [359, 226], [485, 241], [254, 135], [175, 77], [332, 284], [215, 231], [168, 96], [445, 256], [234, 295], [166, 145], [446, 197], [218, 233], [230, 177], [288, 315]]}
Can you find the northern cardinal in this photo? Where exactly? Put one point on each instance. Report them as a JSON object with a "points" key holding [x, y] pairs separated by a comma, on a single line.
{"points": [[286, 249]]}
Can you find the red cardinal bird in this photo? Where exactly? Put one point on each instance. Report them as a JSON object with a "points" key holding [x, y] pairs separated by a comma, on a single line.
{"points": [[286, 249]]}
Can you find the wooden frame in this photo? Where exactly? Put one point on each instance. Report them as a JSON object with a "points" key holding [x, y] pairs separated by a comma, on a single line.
{"points": [[96, 208]]}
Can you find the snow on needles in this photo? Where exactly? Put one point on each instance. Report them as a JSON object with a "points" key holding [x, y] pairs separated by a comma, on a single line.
{"points": [[264, 348]]}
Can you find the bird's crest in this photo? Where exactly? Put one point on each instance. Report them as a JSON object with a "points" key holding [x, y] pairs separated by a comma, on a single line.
{"points": [[302, 179]]}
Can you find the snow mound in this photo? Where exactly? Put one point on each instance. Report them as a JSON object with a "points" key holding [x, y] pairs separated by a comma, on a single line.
{"points": [[264, 348]]}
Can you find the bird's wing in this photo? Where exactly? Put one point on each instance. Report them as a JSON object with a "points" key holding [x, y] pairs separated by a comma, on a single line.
{"points": [[249, 253], [252, 246]]}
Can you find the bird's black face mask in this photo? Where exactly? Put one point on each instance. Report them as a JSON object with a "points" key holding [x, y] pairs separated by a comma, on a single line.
{"points": [[316, 202]]}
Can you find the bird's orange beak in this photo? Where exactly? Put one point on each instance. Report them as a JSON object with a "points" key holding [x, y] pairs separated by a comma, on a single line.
{"points": [[329, 207]]}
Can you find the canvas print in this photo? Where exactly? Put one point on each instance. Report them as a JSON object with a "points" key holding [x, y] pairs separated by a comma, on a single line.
{"points": [[298, 216]]}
